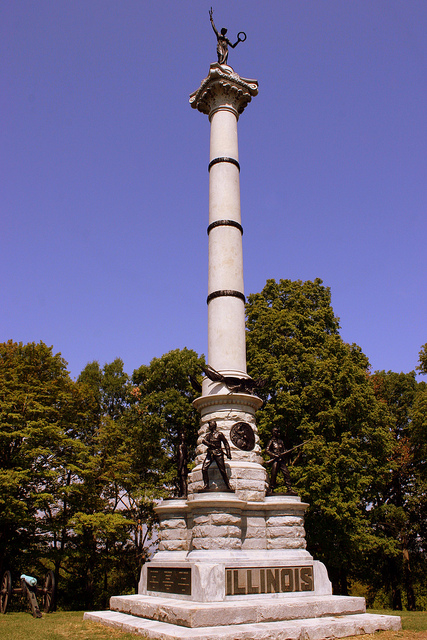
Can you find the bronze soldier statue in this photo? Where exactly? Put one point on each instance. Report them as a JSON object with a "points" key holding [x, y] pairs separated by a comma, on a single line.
{"points": [[214, 441], [223, 41], [182, 460], [277, 451]]}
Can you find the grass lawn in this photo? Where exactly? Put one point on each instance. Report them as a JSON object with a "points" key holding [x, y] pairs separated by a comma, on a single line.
{"points": [[70, 625], [411, 620], [56, 626]]}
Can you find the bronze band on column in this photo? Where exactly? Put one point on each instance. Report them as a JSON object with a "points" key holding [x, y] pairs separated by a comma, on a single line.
{"points": [[224, 159], [225, 292], [225, 223]]}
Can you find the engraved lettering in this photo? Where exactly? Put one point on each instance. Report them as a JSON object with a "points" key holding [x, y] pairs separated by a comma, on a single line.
{"points": [[252, 588], [169, 580], [262, 580], [306, 576], [237, 591], [273, 582], [229, 583], [242, 581], [296, 587], [287, 580]]}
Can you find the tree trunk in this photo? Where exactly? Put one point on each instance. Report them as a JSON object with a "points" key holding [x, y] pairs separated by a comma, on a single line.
{"points": [[409, 584], [343, 582], [396, 595]]}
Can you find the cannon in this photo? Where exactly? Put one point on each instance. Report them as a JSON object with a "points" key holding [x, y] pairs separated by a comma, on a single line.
{"points": [[26, 590]]}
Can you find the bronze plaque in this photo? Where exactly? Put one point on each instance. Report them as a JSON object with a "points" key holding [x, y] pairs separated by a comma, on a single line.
{"points": [[172, 580], [242, 436], [242, 581]]}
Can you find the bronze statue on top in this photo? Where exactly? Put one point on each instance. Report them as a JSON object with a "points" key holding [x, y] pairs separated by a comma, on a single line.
{"points": [[214, 441], [223, 41], [277, 452]]}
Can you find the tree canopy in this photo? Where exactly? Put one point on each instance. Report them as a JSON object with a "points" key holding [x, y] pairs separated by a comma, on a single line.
{"points": [[81, 463], [318, 391]]}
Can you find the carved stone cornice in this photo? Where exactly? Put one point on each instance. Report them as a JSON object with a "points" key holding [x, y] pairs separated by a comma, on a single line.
{"points": [[216, 400], [223, 89]]}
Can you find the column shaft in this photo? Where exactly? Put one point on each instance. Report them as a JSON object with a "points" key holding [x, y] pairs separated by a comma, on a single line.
{"points": [[226, 311]]}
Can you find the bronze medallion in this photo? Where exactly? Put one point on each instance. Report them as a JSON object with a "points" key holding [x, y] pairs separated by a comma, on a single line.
{"points": [[242, 436]]}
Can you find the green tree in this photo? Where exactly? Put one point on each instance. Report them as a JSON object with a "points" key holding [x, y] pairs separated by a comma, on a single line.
{"points": [[41, 417], [164, 410], [101, 527], [422, 359], [399, 510], [130, 463], [317, 389]]}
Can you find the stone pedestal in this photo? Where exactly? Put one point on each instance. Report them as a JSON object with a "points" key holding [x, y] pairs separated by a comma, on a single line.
{"points": [[238, 570], [233, 565]]}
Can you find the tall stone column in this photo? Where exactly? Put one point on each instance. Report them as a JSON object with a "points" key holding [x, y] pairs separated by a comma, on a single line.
{"points": [[223, 96]]}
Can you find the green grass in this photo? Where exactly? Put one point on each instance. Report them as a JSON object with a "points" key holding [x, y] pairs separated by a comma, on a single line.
{"points": [[56, 626], [70, 625], [411, 620]]}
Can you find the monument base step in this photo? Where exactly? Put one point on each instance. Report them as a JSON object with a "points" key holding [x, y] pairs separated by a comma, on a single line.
{"points": [[250, 610], [301, 629]]}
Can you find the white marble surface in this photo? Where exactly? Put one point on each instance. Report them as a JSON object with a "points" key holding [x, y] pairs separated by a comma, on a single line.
{"points": [[301, 629], [257, 609]]}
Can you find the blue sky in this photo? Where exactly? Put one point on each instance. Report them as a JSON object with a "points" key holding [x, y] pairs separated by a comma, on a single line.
{"points": [[104, 182]]}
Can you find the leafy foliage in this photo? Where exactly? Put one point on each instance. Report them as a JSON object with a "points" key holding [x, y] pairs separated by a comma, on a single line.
{"points": [[422, 359], [399, 512], [81, 463], [41, 417], [318, 390]]}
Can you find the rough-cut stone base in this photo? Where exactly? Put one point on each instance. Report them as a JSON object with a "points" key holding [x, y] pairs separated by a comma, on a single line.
{"points": [[249, 611], [221, 520], [301, 629]]}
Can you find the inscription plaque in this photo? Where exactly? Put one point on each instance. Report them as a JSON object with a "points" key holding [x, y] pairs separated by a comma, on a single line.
{"points": [[172, 580], [268, 580]]}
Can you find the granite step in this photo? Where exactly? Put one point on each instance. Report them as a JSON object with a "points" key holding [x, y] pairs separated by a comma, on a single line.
{"points": [[188, 613], [301, 629]]}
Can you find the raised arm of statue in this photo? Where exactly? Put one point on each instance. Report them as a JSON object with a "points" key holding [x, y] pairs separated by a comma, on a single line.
{"points": [[212, 22]]}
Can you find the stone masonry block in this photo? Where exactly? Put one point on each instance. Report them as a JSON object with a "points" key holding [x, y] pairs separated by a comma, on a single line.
{"points": [[251, 474], [255, 532], [216, 543], [216, 531], [173, 545], [285, 532], [173, 534], [254, 543], [225, 518], [255, 521], [201, 518], [286, 543], [249, 485], [173, 524], [287, 521]]}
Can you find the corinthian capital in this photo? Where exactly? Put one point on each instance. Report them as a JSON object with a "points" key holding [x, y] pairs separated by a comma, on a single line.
{"points": [[223, 89]]}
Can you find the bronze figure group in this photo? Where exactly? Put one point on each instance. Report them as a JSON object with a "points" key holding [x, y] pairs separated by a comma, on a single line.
{"points": [[217, 447]]}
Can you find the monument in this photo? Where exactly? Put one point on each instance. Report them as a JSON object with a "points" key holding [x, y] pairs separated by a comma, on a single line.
{"points": [[232, 560]]}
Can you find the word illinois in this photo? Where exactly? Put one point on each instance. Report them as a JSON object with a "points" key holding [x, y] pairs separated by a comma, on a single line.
{"points": [[268, 580]]}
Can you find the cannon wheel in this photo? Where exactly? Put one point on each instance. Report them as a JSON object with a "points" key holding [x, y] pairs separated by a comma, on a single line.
{"points": [[49, 592], [5, 590]]}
